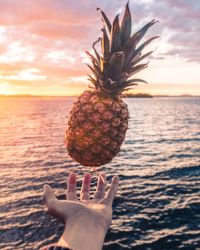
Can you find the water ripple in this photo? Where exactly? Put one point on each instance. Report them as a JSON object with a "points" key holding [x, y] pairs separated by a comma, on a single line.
{"points": [[157, 206]]}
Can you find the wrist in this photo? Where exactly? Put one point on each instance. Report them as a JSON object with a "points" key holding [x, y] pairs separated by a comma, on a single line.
{"points": [[83, 235]]}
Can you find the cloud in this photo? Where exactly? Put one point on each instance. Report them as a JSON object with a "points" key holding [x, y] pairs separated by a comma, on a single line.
{"points": [[180, 22], [29, 11], [51, 36], [55, 30]]}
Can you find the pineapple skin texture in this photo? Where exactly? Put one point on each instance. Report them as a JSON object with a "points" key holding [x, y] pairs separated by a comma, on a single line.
{"points": [[96, 128]]}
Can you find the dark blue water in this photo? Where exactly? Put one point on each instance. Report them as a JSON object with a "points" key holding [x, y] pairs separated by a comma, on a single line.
{"points": [[158, 204]]}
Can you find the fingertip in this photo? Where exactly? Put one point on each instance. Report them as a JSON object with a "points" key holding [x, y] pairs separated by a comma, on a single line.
{"points": [[46, 187], [103, 176], [72, 175], [115, 179], [87, 177], [71, 178], [48, 195], [102, 179]]}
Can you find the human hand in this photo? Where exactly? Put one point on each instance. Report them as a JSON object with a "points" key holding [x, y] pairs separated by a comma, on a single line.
{"points": [[86, 220]]}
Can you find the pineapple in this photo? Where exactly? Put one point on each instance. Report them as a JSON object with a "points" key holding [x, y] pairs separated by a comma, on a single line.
{"points": [[99, 118]]}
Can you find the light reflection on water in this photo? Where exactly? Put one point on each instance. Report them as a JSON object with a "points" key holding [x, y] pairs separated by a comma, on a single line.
{"points": [[157, 206]]}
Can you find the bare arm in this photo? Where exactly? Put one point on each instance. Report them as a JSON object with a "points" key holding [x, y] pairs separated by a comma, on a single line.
{"points": [[86, 220]]}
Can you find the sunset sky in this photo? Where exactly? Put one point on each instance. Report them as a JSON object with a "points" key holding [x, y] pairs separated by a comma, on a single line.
{"points": [[42, 44]]}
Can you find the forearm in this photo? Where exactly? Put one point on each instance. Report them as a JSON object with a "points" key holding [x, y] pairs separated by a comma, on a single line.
{"points": [[85, 237]]}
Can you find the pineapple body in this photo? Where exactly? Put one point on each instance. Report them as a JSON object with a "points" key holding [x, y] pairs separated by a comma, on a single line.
{"points": [[96, 128], [99, 118]]}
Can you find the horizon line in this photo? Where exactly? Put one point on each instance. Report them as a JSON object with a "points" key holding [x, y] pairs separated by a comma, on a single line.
{"points": [[137, 94]]}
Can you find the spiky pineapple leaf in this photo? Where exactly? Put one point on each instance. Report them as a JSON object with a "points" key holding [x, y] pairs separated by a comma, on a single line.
{"points": [[142, 46], [126, 25], [136, 69], [95, 51], [136, 37], [135, 81], [93, 71], [93, 81], [99, 72], [104, 86], [140, 34], [130, 58], [105, 67], [113, 68], [116, 64], [96, 71], [101, 64], [105, 45], [109, 26], [94, 64], [92, 57], [135, 52], [129, 47], [109, 83], [126, 89], [132, 69], [115, 36], [124, 85], [136, 61], [107, 91], [122, 88], [91, 78]]}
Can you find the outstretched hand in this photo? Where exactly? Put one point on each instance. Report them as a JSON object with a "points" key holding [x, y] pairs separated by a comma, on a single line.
{"points": [[85, 217]]}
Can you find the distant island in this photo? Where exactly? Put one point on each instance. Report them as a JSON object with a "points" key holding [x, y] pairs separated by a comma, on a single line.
{"points": [[145, 95]]}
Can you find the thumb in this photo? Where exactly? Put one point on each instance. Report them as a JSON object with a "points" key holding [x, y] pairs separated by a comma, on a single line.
{"points": [[54, 206], [48, 195]]}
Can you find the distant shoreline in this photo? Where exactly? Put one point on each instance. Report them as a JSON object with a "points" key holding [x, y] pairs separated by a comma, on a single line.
{"points": [[139, 95]]}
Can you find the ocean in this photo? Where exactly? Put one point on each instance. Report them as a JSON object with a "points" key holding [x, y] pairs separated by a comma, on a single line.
{"points": [[158, 203]]}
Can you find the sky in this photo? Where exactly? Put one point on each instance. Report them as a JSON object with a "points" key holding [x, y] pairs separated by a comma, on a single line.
{"points": [[43, 44]]}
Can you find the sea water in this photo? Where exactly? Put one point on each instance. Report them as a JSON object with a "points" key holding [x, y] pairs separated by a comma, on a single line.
{"points": [[158, 203]]}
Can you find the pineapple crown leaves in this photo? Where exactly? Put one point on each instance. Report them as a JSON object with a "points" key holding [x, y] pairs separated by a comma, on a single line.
{"points": [[120, 55]]}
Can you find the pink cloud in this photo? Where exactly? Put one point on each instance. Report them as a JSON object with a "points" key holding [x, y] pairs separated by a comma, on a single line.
{"points": [[29, 11], [60, 30]]}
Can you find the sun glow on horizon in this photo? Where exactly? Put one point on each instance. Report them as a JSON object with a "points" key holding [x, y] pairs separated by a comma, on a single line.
{"points": [[5, 89]]}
